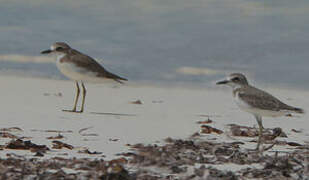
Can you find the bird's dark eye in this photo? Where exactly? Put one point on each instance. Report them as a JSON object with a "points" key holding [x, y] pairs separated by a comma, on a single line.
{"points": [[59, 48], [236, 79]]}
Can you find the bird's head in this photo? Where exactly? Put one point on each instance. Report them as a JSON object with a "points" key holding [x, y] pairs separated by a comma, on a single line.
{"points": [[235, 80], [58, 48]]}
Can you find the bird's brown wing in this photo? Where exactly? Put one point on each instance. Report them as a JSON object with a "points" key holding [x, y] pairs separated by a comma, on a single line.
{"points": [[89, 64], [262, 100]]}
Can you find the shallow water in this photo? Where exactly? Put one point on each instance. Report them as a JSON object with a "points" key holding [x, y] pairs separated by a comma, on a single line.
{"points": [[154, 40]]}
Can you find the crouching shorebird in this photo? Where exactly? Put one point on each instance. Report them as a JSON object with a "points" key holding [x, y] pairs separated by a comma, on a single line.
{"points": [[80, 68], [256, 101]]}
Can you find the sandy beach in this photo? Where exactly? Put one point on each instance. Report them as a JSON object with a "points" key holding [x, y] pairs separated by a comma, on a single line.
{"points": [[35, 106], [31, 109]]}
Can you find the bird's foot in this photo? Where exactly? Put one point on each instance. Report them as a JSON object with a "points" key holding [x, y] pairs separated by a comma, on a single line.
{"points": [[73, 111]]}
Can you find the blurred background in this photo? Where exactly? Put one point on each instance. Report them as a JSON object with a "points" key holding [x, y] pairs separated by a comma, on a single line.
{"points": [[162, 41]]}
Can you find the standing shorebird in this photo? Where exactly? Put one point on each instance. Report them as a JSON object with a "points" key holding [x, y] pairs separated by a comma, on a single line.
{"points": [[256, 101], [80, 68]]}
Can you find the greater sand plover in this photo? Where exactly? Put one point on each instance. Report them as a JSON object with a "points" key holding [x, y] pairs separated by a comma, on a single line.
{"points": [[80, 68], [256, 101]]}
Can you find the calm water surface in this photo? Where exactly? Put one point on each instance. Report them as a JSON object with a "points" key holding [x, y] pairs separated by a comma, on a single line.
{"points": [[164, 41]]}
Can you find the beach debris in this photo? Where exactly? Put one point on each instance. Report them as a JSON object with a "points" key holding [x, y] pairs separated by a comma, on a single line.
{"points": [[279, 167], [136, 102], [60, 145], [188, 159], [245, 131], [177, 155], [59, 136], [269, 135], [276, 132], [205, 129], [86, 151], [18, 167], [12, 129], [81, 132], [121, 160], [8, 135], [25, 145], [208, 121], [6, 132]]}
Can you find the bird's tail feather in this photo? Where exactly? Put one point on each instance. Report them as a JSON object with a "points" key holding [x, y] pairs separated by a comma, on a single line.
{"points": [[298, 110], [119, 80]]}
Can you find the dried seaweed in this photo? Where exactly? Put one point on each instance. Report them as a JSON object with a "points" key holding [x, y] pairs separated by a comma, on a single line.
{"points": [[60, 145], [205, 129], [26, 145]]}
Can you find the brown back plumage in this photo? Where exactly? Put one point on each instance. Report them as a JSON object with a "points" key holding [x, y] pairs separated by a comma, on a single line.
{"points": [[262, 100], [88, 63]]}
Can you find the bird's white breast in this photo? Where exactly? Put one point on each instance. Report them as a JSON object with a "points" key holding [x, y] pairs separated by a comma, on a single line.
{"points": [[241, 104], [77, 73]]}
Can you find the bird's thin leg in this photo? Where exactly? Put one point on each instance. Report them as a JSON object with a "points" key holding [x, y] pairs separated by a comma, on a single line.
{"points": [[84, 96], [76, 99], [259, 121], [77, 96]]}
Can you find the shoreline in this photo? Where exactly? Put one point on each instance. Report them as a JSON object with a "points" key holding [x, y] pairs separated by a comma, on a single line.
{"points": [[159, 84]]}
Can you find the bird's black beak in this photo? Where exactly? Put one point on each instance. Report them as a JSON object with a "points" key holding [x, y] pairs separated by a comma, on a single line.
{"points": [[46, 51], [222, 82]]}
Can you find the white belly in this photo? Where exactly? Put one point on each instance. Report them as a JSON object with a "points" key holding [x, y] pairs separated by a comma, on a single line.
{"points": [[76, 73], [260, 112]]}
